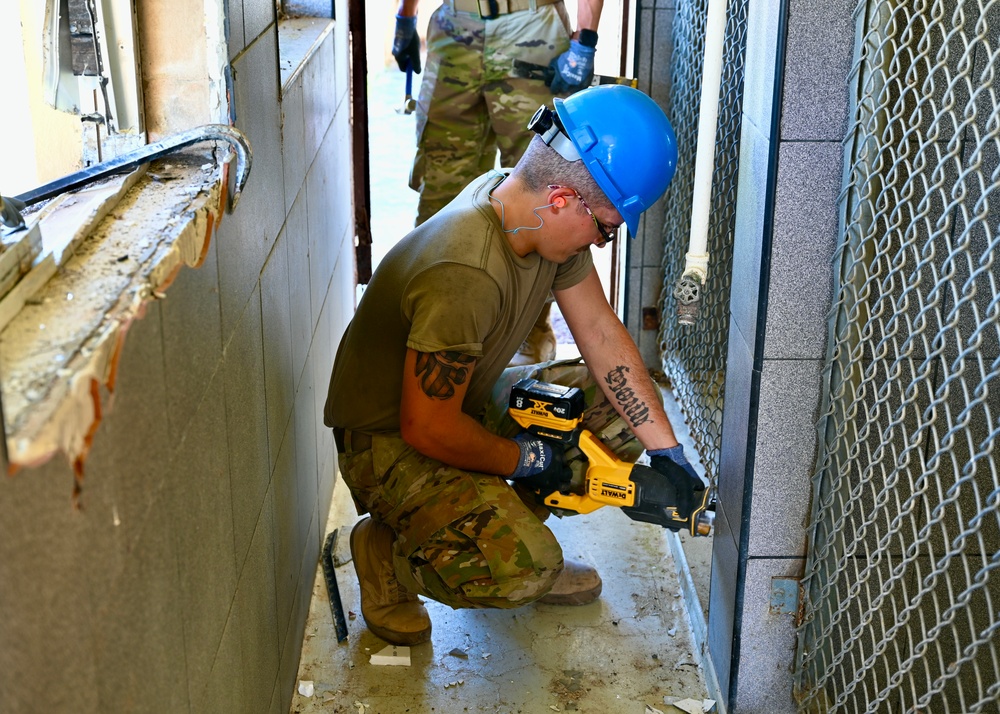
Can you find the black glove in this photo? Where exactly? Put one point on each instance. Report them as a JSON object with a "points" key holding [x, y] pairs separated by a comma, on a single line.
{"points": [[672, 464], [406, 43], [543, 466]]}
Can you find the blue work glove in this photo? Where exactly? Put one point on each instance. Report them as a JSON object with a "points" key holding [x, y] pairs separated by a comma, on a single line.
{"points": [[542, 466], [573, 69], [406, 43], [672, 464]]}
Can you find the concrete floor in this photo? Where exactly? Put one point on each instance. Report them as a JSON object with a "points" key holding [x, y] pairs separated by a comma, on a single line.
{"points": [[622, 654]]}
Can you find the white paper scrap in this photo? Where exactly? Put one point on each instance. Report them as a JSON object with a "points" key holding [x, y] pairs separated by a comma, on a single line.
{"points": [[392, 655]]}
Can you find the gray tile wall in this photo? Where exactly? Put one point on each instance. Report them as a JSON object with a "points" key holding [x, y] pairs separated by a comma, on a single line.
{"points": [[787, 227], [182, 581]]}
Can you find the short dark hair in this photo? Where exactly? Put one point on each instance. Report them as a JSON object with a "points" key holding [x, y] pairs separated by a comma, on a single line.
{"points": [[542, 166]]}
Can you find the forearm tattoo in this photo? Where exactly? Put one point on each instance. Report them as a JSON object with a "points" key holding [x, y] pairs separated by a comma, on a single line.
{"points": [[634, 409], [439, 372]]}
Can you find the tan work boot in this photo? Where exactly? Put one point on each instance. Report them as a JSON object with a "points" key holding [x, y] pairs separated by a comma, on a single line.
{"points": [[540, 344], [577, 584], [390, 611]]}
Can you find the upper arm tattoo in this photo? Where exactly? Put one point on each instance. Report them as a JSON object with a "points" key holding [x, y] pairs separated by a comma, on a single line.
{"points": [[439, 372], [634, 409]]}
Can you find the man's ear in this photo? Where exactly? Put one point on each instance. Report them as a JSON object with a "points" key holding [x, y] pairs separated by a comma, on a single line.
{"points": [[560, 199]]}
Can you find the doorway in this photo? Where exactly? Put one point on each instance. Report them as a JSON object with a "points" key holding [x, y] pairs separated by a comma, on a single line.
{"points": [[391, 139]]}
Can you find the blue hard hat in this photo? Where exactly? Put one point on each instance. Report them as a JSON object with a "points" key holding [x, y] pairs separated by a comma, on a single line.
{"points": [[625, 141]]}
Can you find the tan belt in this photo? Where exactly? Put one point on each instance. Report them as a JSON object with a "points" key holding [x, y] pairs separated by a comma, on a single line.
{"points": [[350, 441], [490, 9]]}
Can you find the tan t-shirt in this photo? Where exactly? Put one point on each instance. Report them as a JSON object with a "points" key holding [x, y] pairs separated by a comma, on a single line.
{"points": [[455, 284]]}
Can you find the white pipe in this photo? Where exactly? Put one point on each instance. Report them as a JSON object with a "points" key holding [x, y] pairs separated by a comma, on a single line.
{"points": [[708, 121]]}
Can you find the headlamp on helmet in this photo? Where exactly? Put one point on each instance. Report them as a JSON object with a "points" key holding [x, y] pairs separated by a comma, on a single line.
{"points": [[546, 124]]}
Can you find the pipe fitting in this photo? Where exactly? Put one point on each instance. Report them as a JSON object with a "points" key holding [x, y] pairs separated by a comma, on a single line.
{"points": [[688, 296]]}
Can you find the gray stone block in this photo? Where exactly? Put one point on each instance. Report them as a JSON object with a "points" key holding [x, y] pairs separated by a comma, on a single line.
{"points": [[256, 602], [317, 97], [342, 293], [130, 449], [234, 27], [199, 498], [309, 8], [306, 456], [287, 545], [761, 58], [739, 415], [766, 642], [221, 689], [650, 250], [662, 48], [633, 308], [341, 43], [722, 600], [749, 239], [785, 457], [293, 139], [319, 202], [336, 151], [299, 299], [246, 237], [279, 387], [644, 47], [819, 51], [192, 339], [137, 625], [45, 568], [292, 638], [246, 419], [258, 16], [969, 260], [802, 248]]}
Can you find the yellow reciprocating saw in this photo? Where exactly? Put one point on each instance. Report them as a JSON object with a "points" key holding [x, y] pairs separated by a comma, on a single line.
{"points": [[555, 412]]}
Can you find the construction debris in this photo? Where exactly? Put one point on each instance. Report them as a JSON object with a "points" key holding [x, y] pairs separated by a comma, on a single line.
{"points": [[690, 706], [392, 655], [460, 653], [306, 688]]}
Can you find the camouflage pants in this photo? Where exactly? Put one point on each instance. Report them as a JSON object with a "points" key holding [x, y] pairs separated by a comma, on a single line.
{"points": [[470, 105], [471, 539]]}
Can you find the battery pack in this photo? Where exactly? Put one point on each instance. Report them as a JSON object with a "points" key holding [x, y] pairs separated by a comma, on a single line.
{"points": [[547, 410]]}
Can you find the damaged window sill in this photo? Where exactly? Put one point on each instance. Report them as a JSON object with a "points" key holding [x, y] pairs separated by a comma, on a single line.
{"points": [[298, 39], [106, 252]]}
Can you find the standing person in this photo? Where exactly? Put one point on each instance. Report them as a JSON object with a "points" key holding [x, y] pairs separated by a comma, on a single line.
{"points": [[471, 104], [412, 398]]}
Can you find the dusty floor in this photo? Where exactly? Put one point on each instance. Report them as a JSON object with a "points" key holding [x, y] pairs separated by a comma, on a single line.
{"points": [[623, 653]]}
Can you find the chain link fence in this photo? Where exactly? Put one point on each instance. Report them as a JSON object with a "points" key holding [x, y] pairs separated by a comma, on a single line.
{"points": [[694, 357], [901, 597]]}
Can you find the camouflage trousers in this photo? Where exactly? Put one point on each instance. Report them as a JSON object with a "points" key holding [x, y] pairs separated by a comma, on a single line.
{"points": [[471, 539], [469, 104]]}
